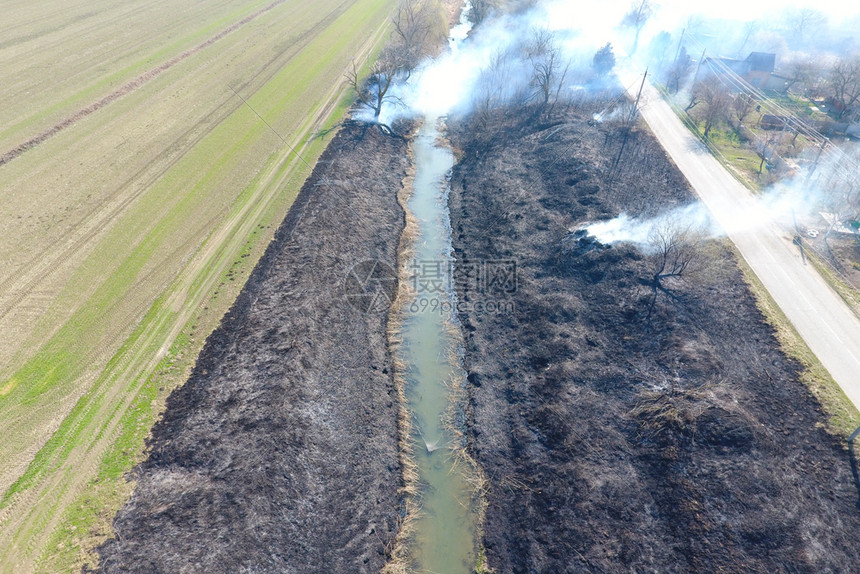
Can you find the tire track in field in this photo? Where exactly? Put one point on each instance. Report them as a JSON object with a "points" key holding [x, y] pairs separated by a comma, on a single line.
{"points": [[17, 287], [44, 264], [129, 87], [62, 486]]}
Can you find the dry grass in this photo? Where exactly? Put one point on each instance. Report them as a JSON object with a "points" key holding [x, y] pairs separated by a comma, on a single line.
{"points": [[399, 558], [672, 409], [843, 288]]}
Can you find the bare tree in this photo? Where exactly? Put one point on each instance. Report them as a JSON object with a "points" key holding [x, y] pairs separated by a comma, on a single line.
{"points": [[674, 247], [678, 72], [803, 23], [675, 250], [418, 27], [481, 9], [418, 30], [659, 48], [548, 70], [807, 76], [636, 18], [749, 30], [845, 82], [492, 89], [716, 98], [767, 148], [374, 91], [742, 106]]}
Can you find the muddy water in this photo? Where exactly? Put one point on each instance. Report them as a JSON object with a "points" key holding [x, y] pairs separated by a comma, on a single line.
{"points": [[444, 535]]}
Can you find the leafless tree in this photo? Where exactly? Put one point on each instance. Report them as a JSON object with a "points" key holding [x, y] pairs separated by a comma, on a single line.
{"points": [[844, 82], [749, 30], [742, 106], [636, 18], [418, 30], [548, 69], [716, 98], [492, 88], [807, 76], [481, 9], [804, 22], [678, 72], [675, 250], [659, 49], [767, 147], [674, 247], [374, 91]]}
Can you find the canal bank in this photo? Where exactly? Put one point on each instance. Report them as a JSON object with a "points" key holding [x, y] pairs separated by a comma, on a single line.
{"points": [[444, 487]]}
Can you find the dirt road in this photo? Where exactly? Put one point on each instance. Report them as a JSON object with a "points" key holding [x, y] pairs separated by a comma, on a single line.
{"points": [[821, 317]]}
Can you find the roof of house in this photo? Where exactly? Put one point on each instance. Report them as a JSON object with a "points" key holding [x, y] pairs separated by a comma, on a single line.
{"points": [[761, 61]]}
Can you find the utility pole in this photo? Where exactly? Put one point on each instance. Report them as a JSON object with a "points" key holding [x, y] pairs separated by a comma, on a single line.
{"points": [[630, 120], [699, 65], [815, 165], [680, 43]]}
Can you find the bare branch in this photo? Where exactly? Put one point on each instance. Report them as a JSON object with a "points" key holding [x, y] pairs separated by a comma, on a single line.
{"points": [[845, 83]]}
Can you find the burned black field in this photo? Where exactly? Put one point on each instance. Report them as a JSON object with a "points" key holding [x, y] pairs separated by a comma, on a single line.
{"points": [[280, 452], [617, 434], [614, 439]]}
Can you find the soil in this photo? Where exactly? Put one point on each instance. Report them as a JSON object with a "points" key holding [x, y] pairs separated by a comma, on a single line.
{"points": [[614, 439], [129, 87], [280, 452]]}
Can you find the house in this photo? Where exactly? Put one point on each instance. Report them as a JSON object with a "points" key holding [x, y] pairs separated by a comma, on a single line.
{"points": [[757, 70], [851, 115]]}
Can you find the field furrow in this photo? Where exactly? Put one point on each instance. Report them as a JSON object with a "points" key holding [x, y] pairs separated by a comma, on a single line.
{"points": [[124, 230]]}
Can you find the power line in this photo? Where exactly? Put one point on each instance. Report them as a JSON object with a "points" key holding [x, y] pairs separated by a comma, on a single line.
{"points": [[788, 117], [292, 149]]}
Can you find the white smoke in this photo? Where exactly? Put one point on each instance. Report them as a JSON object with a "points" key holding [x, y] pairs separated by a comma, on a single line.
{"points": [[797, 202], [638, 231], [453, 82]]}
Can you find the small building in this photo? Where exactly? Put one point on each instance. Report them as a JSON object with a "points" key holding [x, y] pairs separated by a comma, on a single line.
{"points": [[757, 70], [851, 115]]}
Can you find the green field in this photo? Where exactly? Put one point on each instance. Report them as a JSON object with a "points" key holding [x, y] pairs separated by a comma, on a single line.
{"points": [[126, 235]]}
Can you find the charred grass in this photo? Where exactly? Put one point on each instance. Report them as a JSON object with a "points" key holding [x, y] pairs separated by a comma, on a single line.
{"points": [[615, 440], [286, 435]]}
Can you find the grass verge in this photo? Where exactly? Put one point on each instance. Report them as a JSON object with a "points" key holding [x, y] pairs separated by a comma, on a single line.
{"points": [[843, 416], [848, 293]]}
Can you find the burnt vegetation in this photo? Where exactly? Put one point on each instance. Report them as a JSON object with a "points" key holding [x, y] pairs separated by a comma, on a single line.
{"points": [[280, 452], [620, 433]]}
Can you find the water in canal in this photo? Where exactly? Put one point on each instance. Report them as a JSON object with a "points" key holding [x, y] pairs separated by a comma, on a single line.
{"points": [[430, 349], [444, 535]]}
